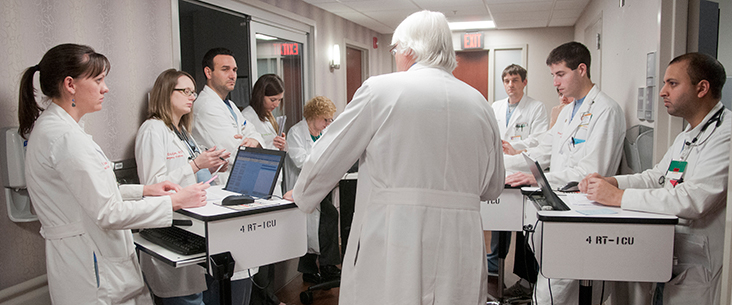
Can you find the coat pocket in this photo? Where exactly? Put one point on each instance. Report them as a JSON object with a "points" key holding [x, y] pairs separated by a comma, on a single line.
{"points": [[120, 279]]}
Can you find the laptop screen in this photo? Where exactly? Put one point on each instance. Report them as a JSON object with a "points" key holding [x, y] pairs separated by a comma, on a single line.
{"points": [[255, 172], [551, 197]]}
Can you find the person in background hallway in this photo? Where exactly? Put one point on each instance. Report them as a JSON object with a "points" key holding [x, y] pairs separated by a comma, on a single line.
{"points": [[521, 120], [697, 193], [429, 151], [520, 117], [218, 123], [85, 216], [165, 150], [588, 137], [323, 222], [267, 95]]}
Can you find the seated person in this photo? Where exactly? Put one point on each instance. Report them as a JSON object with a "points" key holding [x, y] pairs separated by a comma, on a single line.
{"points": [[696, 193], [322, 223]]}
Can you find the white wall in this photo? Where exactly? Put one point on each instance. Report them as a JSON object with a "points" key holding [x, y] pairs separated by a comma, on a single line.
{"points": [[628, 34]]}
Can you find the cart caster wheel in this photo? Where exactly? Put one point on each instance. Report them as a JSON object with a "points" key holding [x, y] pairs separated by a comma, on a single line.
{"points": [[306, 297]]}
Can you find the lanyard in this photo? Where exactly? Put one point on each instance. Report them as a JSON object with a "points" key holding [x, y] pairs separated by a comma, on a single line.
{"points": [[232, 112], [573, 139]]}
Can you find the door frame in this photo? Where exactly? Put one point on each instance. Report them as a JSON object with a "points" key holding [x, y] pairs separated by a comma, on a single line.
{"points": [[364, 62], [492, 65]]}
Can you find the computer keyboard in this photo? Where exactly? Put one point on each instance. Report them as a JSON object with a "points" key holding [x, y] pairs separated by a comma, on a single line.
{"points": [[176, 239], [546, 205]]}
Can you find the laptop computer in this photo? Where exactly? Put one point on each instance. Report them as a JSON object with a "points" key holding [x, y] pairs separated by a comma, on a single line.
{"points": [[551, 198], [255, 171]]}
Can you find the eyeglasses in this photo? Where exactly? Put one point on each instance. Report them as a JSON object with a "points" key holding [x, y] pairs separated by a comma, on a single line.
{"points": [[187, 92], [393, 50]]}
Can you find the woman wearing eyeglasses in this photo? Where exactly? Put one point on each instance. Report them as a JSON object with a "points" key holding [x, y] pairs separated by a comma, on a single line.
{"points": [[165, 150], [322, 225]]}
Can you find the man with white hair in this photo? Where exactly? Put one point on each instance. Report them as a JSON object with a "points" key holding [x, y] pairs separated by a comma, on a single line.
{"points": [[429, 151]]}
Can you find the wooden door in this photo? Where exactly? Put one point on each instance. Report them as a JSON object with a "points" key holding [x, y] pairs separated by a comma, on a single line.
{"points": [[472, 68]]}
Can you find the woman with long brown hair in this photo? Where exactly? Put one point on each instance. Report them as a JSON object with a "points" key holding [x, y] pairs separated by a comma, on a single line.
{"points": [[165, 150], [85, 216]]}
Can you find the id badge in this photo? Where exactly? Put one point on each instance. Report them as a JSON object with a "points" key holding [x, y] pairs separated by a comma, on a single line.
{"points": [[586, 117], [515, 138], [675, 172]]}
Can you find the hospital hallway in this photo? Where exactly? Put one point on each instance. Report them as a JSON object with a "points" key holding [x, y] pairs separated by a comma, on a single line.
{"points": [[290, 293]]}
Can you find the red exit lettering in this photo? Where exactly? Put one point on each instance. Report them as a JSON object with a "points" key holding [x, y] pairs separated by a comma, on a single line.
{"points": [[472, 40], [290, 49]]}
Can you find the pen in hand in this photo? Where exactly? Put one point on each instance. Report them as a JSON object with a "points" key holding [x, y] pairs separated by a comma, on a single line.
{"points": [[216, 171]]}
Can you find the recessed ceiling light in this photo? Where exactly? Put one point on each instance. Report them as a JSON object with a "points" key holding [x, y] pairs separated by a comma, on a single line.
{"points": [[264, 37], [472, 25]]}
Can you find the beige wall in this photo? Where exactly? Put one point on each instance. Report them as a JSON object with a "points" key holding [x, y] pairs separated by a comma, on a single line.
{"points": [[136, 37], [539, 41], [331, 29]]}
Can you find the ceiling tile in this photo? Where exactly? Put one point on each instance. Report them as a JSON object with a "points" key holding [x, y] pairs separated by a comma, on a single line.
{"points": [[384, 16], [562, 21], [570, 4], [521, 24], [567, 13], [519, 7]]}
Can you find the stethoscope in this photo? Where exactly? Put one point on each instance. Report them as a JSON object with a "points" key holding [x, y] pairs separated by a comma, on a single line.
{"points": [[193, 150], [686, 146], [717, 117]]}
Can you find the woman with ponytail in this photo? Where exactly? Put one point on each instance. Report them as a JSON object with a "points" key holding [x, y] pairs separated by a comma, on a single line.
{"points": [[85, 216]]}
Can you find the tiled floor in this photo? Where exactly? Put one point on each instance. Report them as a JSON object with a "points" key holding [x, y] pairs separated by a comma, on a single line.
{"points": [[290, 294]]}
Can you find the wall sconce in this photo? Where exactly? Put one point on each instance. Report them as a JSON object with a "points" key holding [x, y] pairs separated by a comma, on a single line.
{"points": [[335, 58]]}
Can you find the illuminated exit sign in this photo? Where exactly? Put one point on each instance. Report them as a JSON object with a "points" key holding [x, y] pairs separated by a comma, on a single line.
{"points": [[290, 49], [472, 41]]}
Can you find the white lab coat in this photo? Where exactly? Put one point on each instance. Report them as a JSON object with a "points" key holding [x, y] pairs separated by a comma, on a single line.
{"points": [[214, 125], [267, 133], [601, 123], [429, 151], [85, 217], [699, 202], [300, 145], [527, 121], [603, 129], [161, 156]]}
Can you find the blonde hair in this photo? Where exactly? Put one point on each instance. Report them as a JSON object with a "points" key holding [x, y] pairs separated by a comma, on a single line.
{"points": [[319, 106], [159, 106]]}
